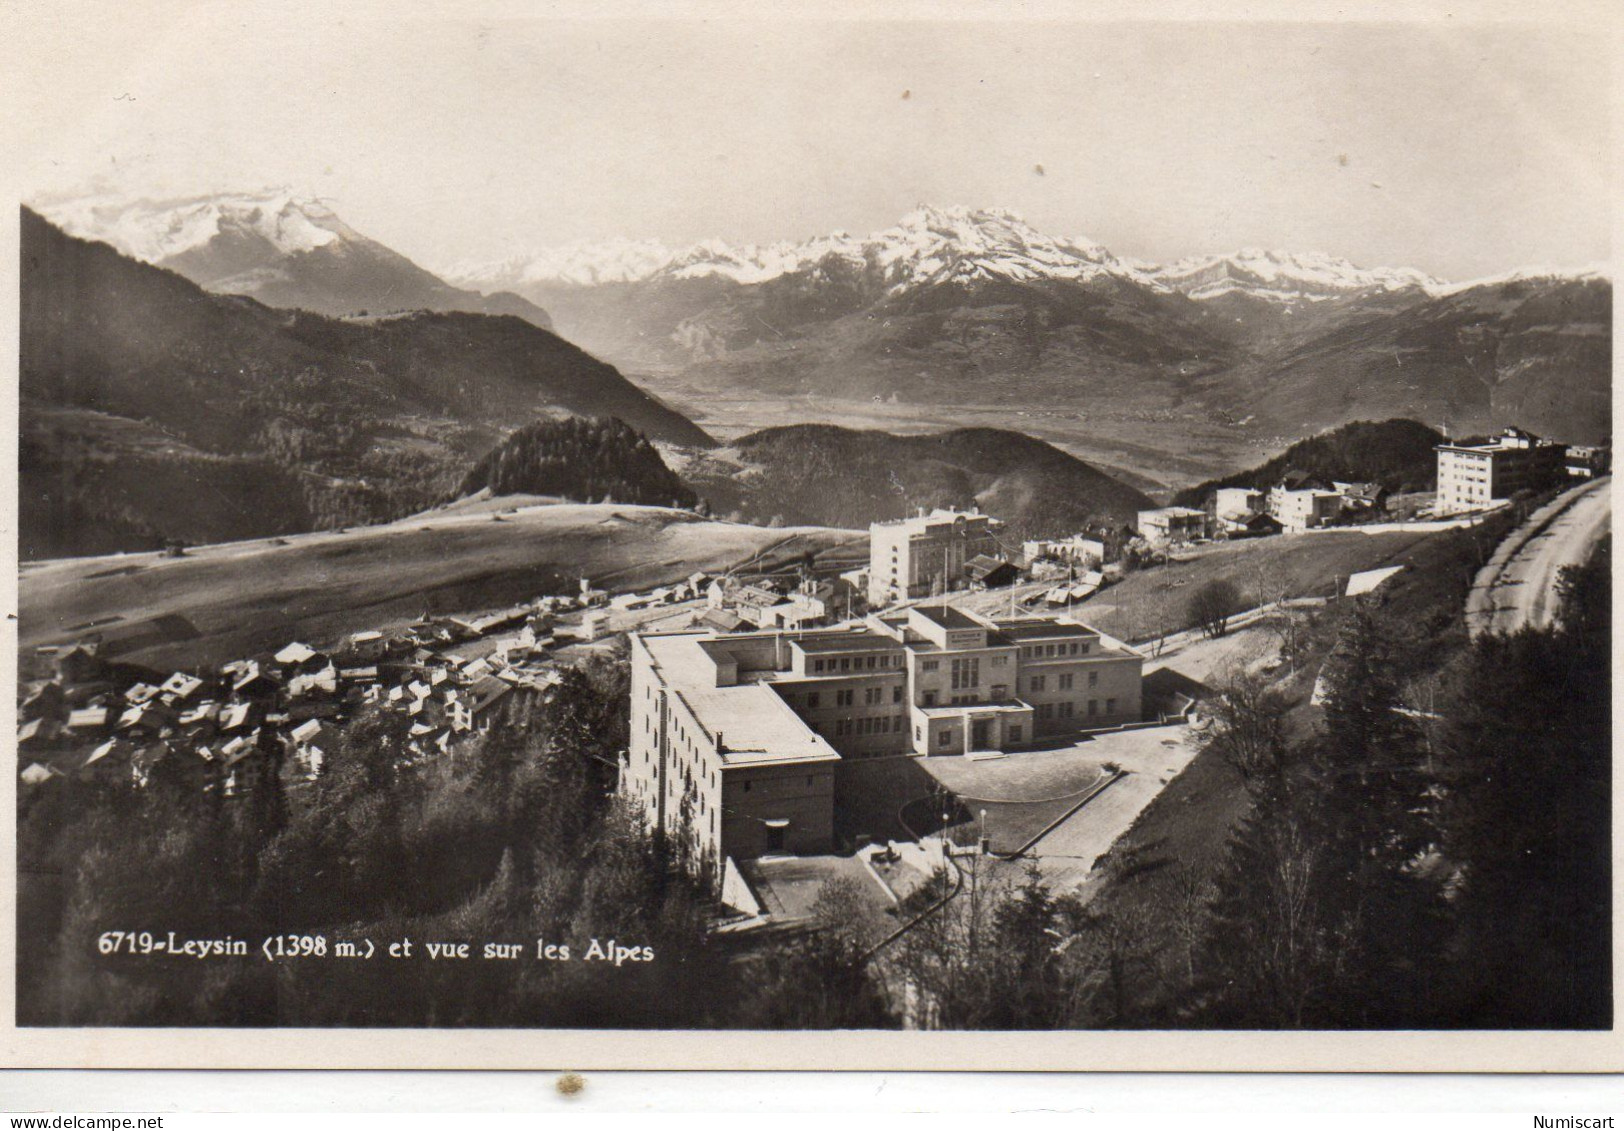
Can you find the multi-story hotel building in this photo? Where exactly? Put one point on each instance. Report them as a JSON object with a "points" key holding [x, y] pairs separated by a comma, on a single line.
{"points": [[926, 554], [1304, 508], [736, 736], [1475, 476]]}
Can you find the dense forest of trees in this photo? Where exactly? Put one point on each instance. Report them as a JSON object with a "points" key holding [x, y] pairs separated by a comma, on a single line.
{"points": [[512, 839], [1396, 453], [585, 459]]}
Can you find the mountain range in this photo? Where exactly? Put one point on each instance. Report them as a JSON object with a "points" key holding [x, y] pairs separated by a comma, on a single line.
{"points": [[958, 306], [153, 410], [933, 245], [284, 249]]}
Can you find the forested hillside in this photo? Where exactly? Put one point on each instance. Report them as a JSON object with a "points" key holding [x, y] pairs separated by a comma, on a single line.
{"points": [[826, 475], [152, 410], [585, 460], [1396, 453]]}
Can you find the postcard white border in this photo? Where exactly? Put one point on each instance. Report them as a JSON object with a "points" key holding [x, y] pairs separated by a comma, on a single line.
{"points": [[1400, 1052]]}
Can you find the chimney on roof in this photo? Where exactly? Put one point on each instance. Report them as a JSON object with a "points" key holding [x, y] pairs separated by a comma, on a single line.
{"points": [[721, 747]]}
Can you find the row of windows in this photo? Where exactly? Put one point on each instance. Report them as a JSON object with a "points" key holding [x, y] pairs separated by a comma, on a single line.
{"points": [[844, 697], [1065, 681], [1064, 648], [874, 724], [935, 665], [1067, 710], [874, 662], [747, 783]]}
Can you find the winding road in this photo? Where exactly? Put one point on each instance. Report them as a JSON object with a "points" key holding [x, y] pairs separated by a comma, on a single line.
{"points": [[1517, 589]]}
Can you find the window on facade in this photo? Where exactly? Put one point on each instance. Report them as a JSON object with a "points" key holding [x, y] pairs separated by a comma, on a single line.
{"points": [[1110, 706], [966, 672], [747, 787], [929, 666], [1045, 710], [918, 734], [896, 693], [813, 699], [1015, 734], [944, 738], [845, 663], [930, 698], [1065, 681], [1066, 709], [845, 698], [1037, 682], [1093, 707], [1093, 679]]}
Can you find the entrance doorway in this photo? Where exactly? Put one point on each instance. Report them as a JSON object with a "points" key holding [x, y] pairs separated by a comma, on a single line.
{"points": [[981, 734], [775, 834]]}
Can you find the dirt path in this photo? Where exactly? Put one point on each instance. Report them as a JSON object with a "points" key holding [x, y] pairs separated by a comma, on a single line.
{"points": [[1517, 589]]}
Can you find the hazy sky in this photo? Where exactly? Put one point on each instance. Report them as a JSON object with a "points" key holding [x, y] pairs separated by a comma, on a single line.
{"points": [[1459, 150]]}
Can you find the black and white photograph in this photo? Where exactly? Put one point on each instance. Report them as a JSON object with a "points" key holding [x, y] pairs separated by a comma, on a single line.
{"points": [[948, 519]]}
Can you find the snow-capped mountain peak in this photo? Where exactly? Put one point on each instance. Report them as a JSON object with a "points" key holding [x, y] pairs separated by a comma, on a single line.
{"points": [[1284, 276], [157, 230], [931, 244]]}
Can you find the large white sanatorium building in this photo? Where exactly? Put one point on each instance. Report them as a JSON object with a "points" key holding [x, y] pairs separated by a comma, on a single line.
{"points": [[737, 736], [1473, 477]]}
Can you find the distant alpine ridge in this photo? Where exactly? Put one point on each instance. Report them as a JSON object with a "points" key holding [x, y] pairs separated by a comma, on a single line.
{"points": [[283, 248], [960, 306], [938, 244]]}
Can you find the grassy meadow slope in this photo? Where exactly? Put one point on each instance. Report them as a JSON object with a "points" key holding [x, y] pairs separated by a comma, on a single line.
{"points": [[249, 596]]}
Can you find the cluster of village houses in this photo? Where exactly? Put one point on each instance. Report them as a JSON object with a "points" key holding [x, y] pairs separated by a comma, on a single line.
{"points": [[98, 717]]}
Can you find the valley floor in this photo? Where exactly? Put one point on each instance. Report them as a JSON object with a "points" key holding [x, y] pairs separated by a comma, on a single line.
{"points": [[1155, 451]]}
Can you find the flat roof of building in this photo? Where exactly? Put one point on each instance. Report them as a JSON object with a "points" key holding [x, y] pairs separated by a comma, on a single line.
{"points": [[851, 642], [755, 724], [1042, 629], [948, 617], [1173, 512]]}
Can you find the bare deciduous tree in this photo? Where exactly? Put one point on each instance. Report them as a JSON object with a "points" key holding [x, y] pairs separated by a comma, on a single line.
{"points": [[1213, 604]]}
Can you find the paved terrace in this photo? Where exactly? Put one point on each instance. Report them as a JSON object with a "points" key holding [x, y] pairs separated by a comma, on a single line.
{"points": [[1025, 794]]}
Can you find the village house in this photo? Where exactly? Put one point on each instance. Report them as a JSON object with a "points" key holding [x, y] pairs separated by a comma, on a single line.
{"points": [[1166, 526], [987, 572], [1358, 497], [1079, 549]]}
